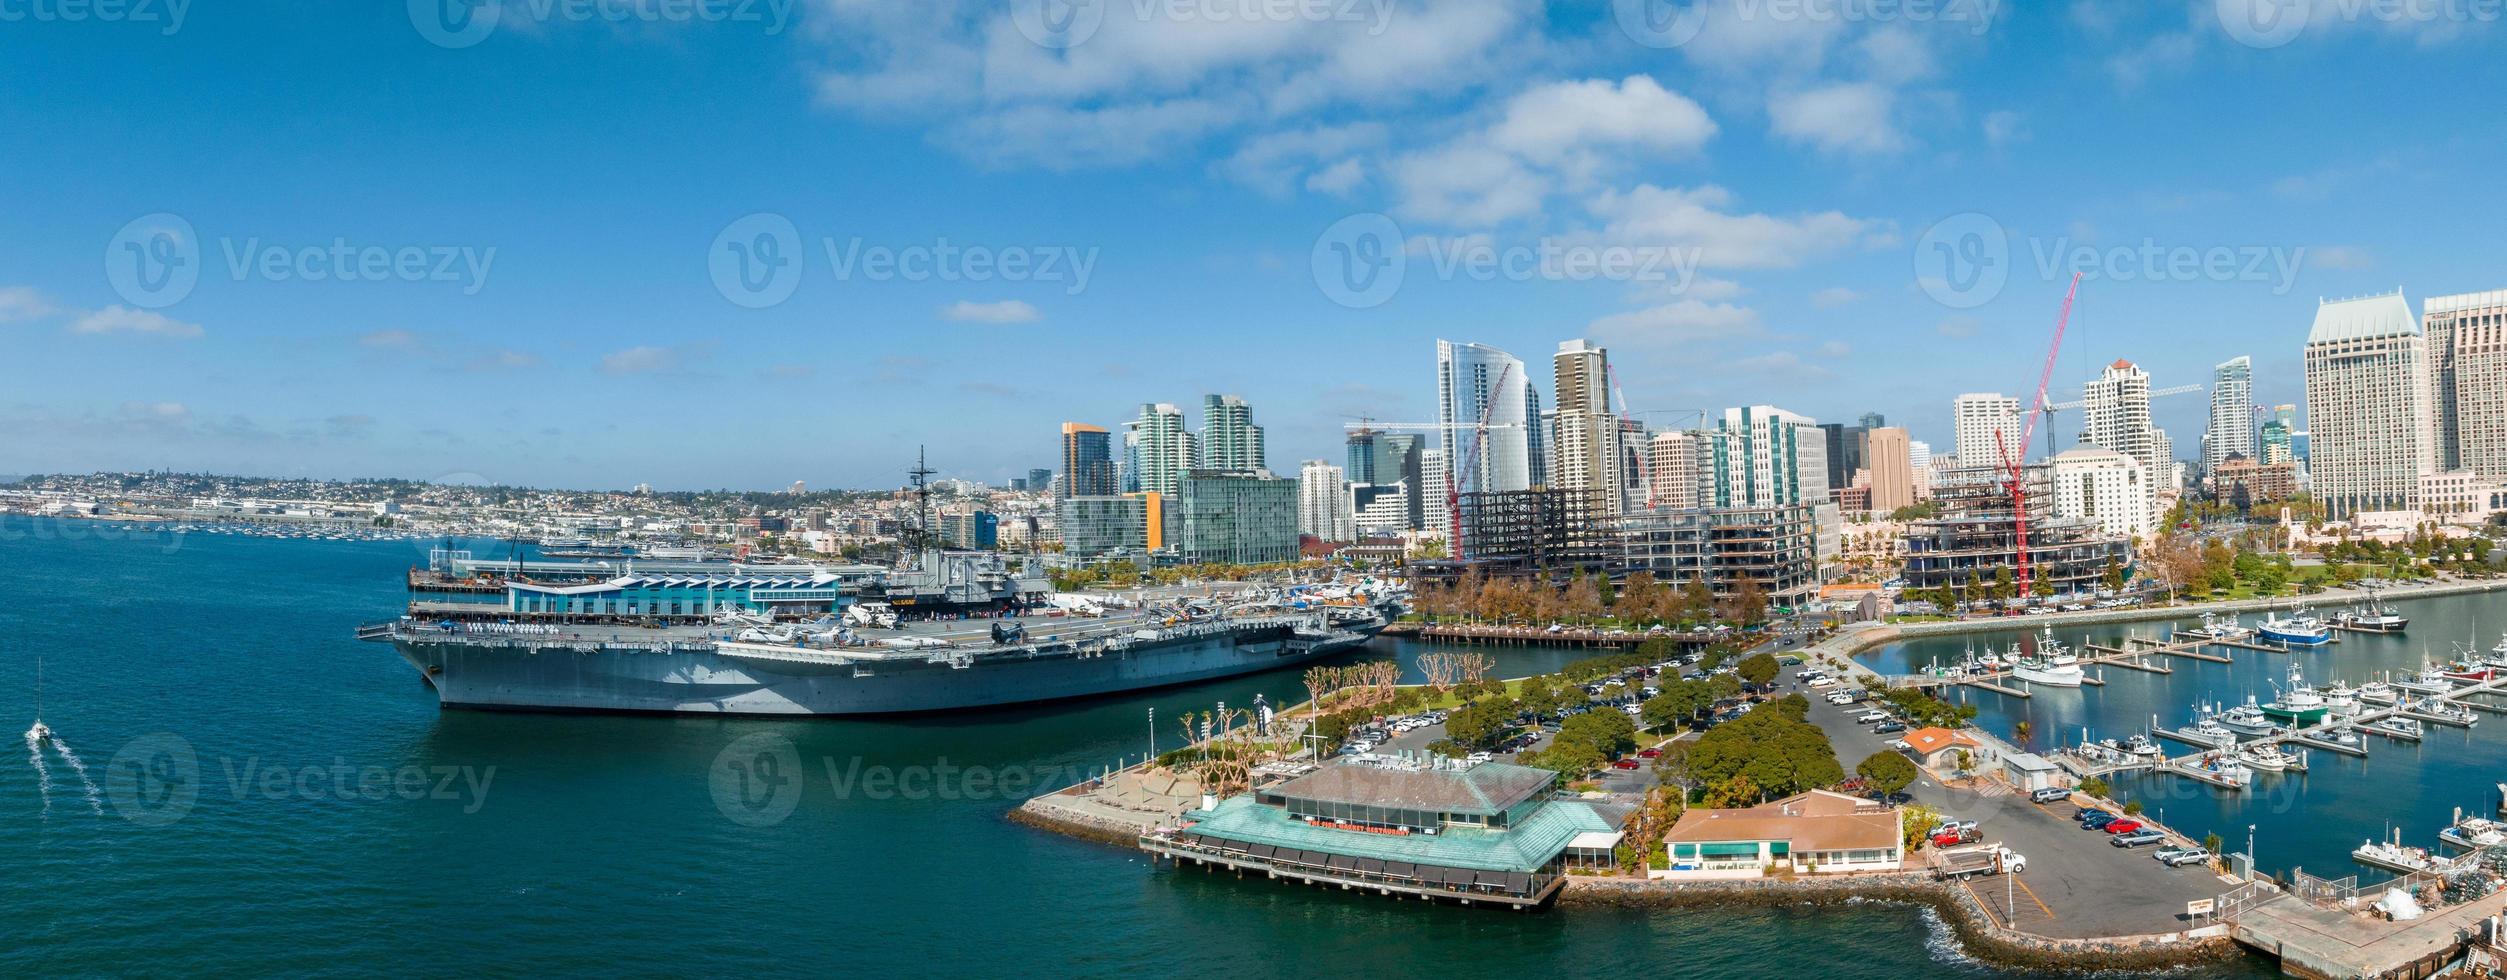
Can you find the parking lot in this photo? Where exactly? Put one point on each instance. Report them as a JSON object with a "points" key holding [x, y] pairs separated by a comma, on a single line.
{"points": [[2076, 883]]}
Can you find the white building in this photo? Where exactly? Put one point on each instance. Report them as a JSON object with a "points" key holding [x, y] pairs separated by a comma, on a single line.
{"points": [[1323, 503], [1477, 384], [1764, 456], [2369, 434], [1919, 459], [1159, 450], [2115, 414], [1673, 470], [2232, 430], [1229, 439], [1435, 518], [1587, 456], [1386, 511], [2107, 487], [1983, 424], [2467, 348]]}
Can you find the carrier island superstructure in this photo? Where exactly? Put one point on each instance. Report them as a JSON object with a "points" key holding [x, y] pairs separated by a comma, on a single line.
{"points": [[954, 630]]}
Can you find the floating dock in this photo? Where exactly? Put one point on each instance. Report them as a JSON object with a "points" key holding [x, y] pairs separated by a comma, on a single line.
{"points": [[2313, 743]]}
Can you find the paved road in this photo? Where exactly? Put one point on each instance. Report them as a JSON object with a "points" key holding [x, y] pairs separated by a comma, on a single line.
{"points": [[2076, 883]]}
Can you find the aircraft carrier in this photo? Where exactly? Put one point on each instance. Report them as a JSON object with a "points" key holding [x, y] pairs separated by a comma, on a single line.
{"points": [[959, 630]]}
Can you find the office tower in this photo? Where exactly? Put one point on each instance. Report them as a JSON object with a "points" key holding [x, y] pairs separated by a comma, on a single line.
{"points": [[1871, 420], [2467, 334], [1892, 473], [2367, 404], [1038, 480], [1236, 518], [1323, 508], [2232, 430], [1087, 462], [1919, 462], [1587, 449], [1434, 518], [1846, 445], [2273, 441], [1983, 423], [1478, 384], [1763, 456], [1230, 440]]}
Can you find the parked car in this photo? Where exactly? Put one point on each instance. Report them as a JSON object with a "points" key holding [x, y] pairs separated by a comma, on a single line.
{"points": [[1650, 753], [1872, 717], [2137, 838], [2097, 819], [1888, 727], [2050, 794], [2122, 825], [2178, 857], [1624, 764]]}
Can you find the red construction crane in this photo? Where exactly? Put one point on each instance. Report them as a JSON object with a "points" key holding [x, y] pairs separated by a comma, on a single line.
{"points": [[1456, 468], [2017, 465]]}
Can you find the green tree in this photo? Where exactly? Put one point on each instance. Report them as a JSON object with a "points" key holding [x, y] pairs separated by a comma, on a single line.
{"points": [[2095, 787], [1888, 771], [1758, 669], [1610, 733]]}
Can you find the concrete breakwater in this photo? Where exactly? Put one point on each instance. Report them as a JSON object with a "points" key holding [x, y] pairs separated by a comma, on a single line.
{"points": [[1973, 928]]}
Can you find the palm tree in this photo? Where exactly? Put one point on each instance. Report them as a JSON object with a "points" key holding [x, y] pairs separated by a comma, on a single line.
{"points": [[2021, 731]]}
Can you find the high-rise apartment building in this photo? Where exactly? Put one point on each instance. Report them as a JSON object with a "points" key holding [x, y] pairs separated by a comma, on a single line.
{"points": [[1247, 518], [2273, 440], [1587, 456], [1673, 470], [2368, 410], [1087, 462], [2467, 347], [2115, 414], [1984, 423], [1476, 386], [2105, 487], [1229, 439], [1892, 473], [1435, 517], [1323, 506], [1163, 451], [2232, 430]]}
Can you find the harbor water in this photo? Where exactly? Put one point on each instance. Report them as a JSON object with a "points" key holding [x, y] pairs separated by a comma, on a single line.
{"points": [[2308, 820], [240, 787]]}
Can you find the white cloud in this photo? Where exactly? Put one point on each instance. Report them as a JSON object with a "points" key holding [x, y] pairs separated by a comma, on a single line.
{"points": [[647, 360], [2004, 127], [1684, 321], [1338, 179], [1850, 117], [391, 340], [1742, 39], [1783, 362], [1468, 184], [1833, 297], [122, 319], [1896, 55], [1274, 163], [1005, 311], [1552, 124], [23, 303], [1699, 218], [1835, 348], [2165, 54], [2340, 257]]}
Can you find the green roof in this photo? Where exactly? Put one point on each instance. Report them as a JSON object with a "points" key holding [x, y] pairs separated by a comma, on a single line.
{"points": [[1525, 847]]}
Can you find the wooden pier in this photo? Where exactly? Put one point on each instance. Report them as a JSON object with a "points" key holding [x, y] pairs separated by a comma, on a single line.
{"points": [[2316, 743]]}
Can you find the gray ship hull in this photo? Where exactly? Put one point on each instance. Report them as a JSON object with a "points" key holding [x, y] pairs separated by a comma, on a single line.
{"points": [[740, 679]]}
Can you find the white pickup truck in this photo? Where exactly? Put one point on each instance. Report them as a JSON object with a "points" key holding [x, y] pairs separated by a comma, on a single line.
{"points": [[1978, 861]]}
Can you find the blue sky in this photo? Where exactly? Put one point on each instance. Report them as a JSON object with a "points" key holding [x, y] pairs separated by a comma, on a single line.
{"points": [[1772, 186]]}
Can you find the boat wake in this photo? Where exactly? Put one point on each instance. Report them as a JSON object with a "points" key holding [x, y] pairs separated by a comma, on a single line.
{"points": [[43, 773], [95, 799]]}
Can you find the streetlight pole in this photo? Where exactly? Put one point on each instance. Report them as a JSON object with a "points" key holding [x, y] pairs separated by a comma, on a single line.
{"points": [[2250, 852]]}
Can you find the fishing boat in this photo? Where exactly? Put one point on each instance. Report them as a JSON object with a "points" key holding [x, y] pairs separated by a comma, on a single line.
{"points": [[2143, 747], [2473, 833], [2470, 671], [2394, 856], [2249, 719], [2207, 730], [2392, 726], [2341, 736], [2225, 769], [2442, 712], [2340, 699], [2430, 680], [2053, 665], [2296, 629], [2372, 616], [2297, 704], [2269, 758], [2220, 627], [2378, 693]]}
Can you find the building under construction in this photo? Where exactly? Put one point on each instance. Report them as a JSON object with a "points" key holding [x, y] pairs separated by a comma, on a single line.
{"points": [[1554, 535], [1976, 536]]}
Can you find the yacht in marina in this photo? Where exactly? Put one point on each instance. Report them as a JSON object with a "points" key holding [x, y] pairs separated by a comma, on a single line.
{"points": [[2249, 719], [2373, 616], [2271, 758], [2473, 833], [2217, 626], [2378, 693], [2054, 664], [2430, 680], [2394, 856], [2299, 628], [2207, 729], [2396, 726], [2340, 699]]}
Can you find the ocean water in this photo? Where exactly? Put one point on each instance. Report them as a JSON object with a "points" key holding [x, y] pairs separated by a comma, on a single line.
{"points": [[2310, 820], [271, 796]]}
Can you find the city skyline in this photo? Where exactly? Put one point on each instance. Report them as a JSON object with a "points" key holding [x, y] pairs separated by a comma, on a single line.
{"points": [[524, 283]]}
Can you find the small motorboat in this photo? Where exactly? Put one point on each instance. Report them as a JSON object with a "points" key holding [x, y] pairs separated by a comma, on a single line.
{"points": [[2268, 758], [2430, 680], [2393, 726], [2378, 693], [2296, 629], [2473, 833], [2394, 856], [2249, 719], [40, 734]]}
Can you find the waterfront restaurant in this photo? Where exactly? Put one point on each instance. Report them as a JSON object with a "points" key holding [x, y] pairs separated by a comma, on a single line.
{"points": [[1489, 833], [1816, 832]]}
